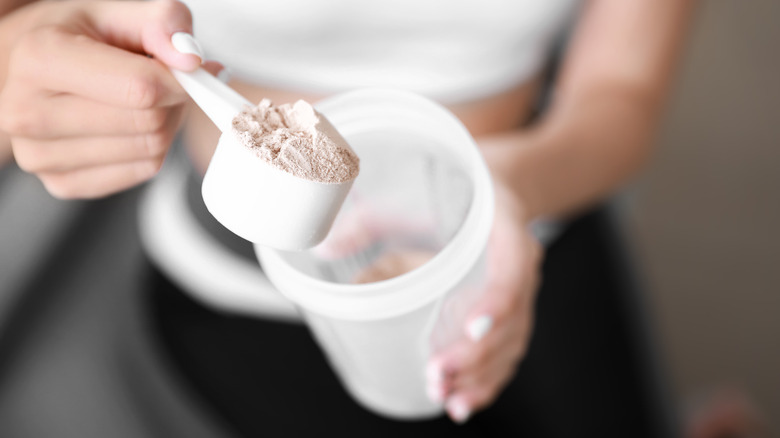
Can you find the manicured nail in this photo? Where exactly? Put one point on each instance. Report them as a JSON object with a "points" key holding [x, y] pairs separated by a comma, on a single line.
{"points": [[225, 75], [435, 392], [186, 43], [478, 328], [434, 374], [458, 410]]}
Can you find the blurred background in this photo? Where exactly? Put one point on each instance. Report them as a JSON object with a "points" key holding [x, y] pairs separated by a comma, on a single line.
{"points": [[703, 218]]}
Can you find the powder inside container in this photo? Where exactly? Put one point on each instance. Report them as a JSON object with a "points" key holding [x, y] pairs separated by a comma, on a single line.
{"points": [[296, 139]]}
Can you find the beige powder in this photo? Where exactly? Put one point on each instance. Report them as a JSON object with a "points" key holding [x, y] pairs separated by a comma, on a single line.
{"points": [[297, 140], [393, 264]]}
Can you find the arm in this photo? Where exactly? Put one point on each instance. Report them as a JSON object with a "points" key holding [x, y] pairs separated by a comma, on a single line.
{"points": [[606, 106], [596, 134]]}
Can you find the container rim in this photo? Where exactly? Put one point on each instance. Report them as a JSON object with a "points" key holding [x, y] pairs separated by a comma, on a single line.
{"points": [[353, 112]]}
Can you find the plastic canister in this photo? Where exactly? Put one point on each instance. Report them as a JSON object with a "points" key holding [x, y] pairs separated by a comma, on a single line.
{"points": [[419, 163]]}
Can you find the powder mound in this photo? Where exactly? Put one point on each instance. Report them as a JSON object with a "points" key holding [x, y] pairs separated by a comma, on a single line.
{"points": [[298, 140]]}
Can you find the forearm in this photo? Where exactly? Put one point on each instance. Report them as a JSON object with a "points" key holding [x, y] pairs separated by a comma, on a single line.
{"points": [[607, 104], [577, 156]]}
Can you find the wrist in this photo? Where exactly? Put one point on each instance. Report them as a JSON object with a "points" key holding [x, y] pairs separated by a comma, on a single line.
{"points": [[511, 202], [505, 154]]}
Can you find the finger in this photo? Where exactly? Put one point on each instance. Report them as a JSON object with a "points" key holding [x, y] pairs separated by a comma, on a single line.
{"points": [[464, 401], [489, 339], [480, 389], [480, 368], [446, 368], [68, 116], [82, 66], [459, 409], [511, 287], [466, 360], [95, 182], [503, 348], [147, 27], [474, 391], [474, 387], [68, 154]]}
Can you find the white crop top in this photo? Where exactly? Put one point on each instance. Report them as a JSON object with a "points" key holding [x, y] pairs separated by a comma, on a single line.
{"points": [[449, 50]]}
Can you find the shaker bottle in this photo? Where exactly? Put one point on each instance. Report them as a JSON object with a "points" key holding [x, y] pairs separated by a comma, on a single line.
{"points": [[405, 259]]}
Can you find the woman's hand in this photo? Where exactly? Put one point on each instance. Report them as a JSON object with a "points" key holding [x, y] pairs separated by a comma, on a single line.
{"points": [[469, 375], [88, 103]]}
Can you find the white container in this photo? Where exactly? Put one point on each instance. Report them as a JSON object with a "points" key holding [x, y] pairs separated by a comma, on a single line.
{"points": [[265, 205], [251, 198], [379, 336]]}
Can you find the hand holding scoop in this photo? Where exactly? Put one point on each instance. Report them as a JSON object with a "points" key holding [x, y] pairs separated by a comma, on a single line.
{"points": [[244, 188]]}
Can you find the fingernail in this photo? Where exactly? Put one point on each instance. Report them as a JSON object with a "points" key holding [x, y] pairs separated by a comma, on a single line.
{"points": [[435, 392], [225, 75], [478, 328], [458, 410], [434, 374], [186, 43]]}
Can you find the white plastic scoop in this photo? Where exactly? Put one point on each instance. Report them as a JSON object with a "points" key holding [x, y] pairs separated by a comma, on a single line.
{"points": [[248, 196]]}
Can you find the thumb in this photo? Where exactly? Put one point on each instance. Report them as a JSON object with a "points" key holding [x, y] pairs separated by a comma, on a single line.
{"points": [[148, 27]]}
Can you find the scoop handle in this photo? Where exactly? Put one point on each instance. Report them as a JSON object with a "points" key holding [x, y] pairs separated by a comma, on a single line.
{"points": [[220, 102]]}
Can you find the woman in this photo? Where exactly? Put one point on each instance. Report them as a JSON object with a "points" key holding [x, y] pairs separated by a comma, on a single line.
{"points": [[91, 114]]}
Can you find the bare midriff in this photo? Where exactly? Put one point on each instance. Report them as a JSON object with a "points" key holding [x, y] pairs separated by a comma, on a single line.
{"points": [[490, 115]]}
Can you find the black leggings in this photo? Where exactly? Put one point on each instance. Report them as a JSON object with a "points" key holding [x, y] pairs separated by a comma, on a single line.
{"points": [[589, 370]]}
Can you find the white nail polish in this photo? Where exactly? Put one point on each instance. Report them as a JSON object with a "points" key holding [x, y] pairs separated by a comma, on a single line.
{"points": [[458, 411], [478, 328], [434, 392], [433, 374], [186, 43]]}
